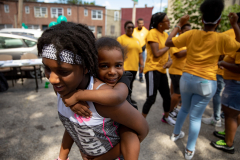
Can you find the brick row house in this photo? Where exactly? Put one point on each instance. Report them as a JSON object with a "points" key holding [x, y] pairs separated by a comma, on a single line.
{"points": [[37, 15]]}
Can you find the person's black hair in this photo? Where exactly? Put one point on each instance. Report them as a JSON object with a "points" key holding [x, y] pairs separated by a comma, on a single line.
{"points": [[126, 23], [139, 19], [156, 18], [73, 37], [238, 17], [109, 44], [211, 10], [185, 25]]}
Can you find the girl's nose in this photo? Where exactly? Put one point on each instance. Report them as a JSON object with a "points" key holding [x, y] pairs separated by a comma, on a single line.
{"points": [[112, 70], [53, 78]]}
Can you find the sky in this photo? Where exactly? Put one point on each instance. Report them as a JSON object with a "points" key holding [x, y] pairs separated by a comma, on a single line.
{"points": [[118, 4]]}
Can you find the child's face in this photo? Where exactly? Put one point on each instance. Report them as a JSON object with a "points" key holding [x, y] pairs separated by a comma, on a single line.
{"points": [[110, 66], [65, 77]]}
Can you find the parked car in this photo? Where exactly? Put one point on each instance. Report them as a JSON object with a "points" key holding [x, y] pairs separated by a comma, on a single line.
{"points": [[36, 33], [16, 46]]}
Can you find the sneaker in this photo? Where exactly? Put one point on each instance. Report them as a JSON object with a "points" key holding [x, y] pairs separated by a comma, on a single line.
{"points": [[173, 114], [176, 110], [223, 121], [220, 134], [168, 120], [221, 144], [141, 80], [212, 121], [189, 155], [181, 135]]}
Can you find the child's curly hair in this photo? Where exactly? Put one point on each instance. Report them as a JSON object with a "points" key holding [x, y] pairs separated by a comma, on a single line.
{"points": [[73, 37]]}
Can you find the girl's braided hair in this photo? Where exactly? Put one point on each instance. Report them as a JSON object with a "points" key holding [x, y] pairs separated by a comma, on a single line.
{"points": [[73, 37]]}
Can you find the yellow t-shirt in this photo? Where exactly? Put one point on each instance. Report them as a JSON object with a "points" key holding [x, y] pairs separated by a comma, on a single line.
{"points": [[235, 59], [231, 33], [140, 35], [152, 63], [203, 51], [177, 63], [131, 61]]}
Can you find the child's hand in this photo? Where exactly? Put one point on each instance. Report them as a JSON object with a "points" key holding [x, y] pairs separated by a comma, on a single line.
{"points": [[168, 64], [81, 109], [183, 20], [70, 99], [233, 17]]}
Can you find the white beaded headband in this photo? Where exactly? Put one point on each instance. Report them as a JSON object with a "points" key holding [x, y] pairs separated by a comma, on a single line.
{"points": [[49, 51]]}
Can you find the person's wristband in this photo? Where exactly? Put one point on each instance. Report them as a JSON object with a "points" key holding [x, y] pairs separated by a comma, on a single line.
{"points": [[142, 66], [179, 28]]}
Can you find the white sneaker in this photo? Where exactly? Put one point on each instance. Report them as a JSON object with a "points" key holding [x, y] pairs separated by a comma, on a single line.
{"points": [[212, 121], [189, 155], [181, 135], [168, 120], [173, 114]]}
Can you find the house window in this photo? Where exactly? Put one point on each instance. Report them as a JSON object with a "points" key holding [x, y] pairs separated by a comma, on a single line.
{"points": [[6, 8], [40, 12], [55, 12], [69, 11], [92, 28], [85, 12], [112, 29], [6, 26], [97, 14], [116, 15], [31, 26], [27, 11]]}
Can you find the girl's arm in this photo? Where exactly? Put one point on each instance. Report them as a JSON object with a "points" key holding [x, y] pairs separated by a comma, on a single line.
{"points": [[111, 96], [233, 17], [156, 51], [174, 32], [181, 54], [141, 62], [66, 146], [235, 68]]}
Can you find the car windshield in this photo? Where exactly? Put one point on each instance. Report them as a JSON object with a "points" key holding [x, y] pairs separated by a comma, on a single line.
{"points": [[6, 42]]}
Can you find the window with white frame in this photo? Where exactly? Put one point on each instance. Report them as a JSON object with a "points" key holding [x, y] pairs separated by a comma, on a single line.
{"points": [[69, 11], [55, 12], [6, 26], [6, 8], [40, 12], [31, 26], [112, 29], [116, 15], [85, 12], [97, 14], [92, 28], [27, 11]]}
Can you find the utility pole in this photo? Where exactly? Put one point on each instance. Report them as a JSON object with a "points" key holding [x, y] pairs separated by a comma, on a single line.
{"points": [[20, 8], [134, 11]]}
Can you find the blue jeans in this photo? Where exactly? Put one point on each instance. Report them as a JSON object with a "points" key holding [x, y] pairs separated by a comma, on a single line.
{"points": [[143, 55], [217, 98], [196, 92]]}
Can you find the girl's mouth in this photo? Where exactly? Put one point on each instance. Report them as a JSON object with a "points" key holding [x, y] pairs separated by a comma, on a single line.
{"points": [[58, 88]]}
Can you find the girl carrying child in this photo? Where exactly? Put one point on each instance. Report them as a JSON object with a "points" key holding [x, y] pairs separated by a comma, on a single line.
{"points": [[70, 59]]}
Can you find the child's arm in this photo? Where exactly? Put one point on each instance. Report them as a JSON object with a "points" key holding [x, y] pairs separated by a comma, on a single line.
{"points": [[66, 146], [181, 54]]}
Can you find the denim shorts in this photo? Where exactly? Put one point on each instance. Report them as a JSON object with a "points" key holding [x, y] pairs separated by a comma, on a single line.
{"points": [[231, 94]]}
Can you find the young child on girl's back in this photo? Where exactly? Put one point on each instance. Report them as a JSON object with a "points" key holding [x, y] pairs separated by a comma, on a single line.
{"points": [[70, 60], [110, 70]]}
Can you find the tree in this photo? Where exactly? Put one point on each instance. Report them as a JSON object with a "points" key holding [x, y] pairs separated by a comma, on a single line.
{"points": [[77, 2], [191, 7]]}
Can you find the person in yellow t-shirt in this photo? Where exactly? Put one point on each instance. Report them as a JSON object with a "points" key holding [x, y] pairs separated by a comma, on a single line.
{"points": [[134, 50], [156, 64], [198, 82], [230, 97], [179, 58], [140, 32]]}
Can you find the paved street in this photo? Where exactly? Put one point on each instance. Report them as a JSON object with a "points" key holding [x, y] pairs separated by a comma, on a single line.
{"points": [[31, 130]]}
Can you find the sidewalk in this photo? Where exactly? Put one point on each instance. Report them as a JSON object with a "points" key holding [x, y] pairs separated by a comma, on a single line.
{"points": [[31, 130]]}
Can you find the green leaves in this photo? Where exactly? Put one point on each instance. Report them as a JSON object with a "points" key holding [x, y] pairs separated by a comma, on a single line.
{"points": [[191, 7]]}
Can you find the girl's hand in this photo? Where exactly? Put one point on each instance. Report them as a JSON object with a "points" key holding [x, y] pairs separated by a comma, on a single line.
{"points": [[70, 99], [168, 64], [183, 20], [219, 65], [233, 17], [81, 109]]}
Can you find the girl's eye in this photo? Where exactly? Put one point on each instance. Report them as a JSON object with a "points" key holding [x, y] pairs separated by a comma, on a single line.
{"points": [[104, 66], [46, 68], [118, 65], [64, 73]]}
